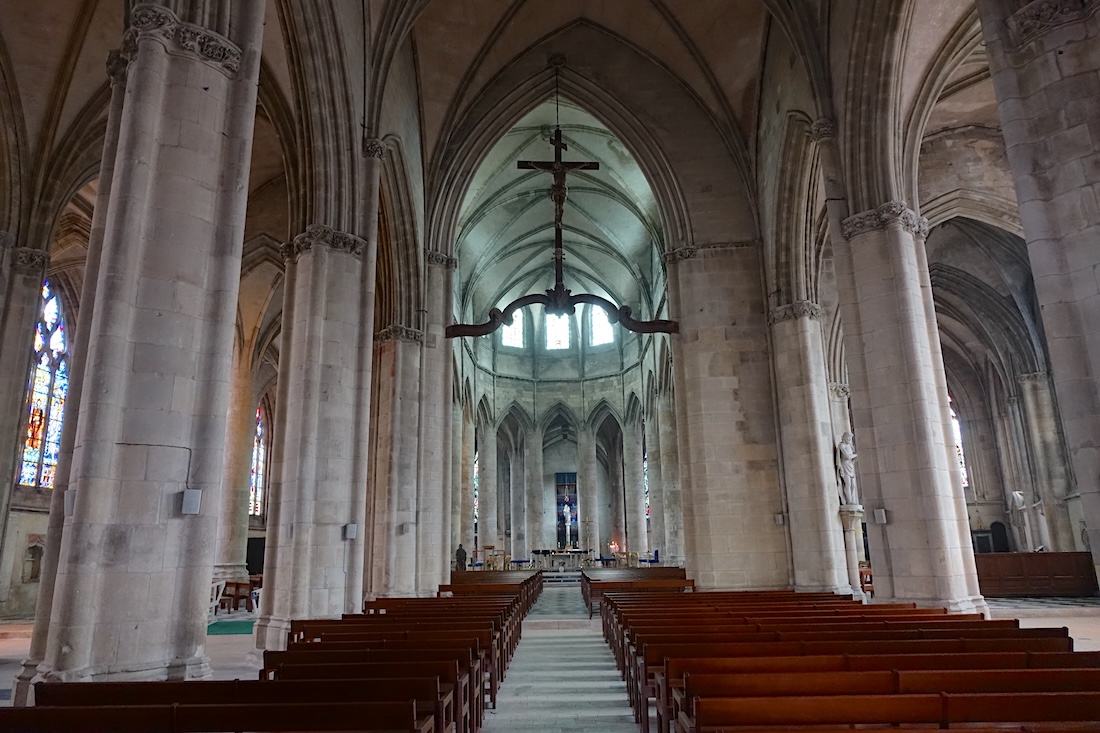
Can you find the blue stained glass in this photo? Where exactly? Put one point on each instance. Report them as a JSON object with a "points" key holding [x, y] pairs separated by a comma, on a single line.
{"points": [[48, 388], [259, 466]]}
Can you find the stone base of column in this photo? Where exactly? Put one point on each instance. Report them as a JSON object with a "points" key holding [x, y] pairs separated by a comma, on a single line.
{"points": [[972, 604], [192, 668], [270, 634], [22, 692], [234, 571]]}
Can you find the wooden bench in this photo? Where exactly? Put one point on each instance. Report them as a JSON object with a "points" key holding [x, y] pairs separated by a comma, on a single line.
{"points": [[349, 716]]}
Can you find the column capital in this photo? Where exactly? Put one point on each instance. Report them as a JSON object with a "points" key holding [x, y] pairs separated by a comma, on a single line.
{"points": [[117, 63], [158, 23], [1033, 377], [435, 257], [892, 212], [322, 236], [1039, 17], [840, 390], [397, 332], [797, 309], [687, 252], [823, 129], [374, 148], [29, 261]]}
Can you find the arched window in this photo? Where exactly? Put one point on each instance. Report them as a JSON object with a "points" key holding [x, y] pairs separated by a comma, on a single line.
{"points": [[49, 385], [258, 482], [602, 330], [513, 335], [956, 433], [557, 332]]}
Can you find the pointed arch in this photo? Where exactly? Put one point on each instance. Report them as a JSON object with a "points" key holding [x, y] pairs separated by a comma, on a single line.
{"points": [[13, 147], [400, 271], [600, 412], [559, 411]]}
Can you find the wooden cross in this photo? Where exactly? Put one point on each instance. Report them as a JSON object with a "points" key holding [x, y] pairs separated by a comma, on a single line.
{"points": [[558, 192]]}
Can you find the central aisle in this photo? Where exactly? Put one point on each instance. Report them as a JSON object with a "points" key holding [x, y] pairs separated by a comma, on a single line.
{"points": [[563, 677]]}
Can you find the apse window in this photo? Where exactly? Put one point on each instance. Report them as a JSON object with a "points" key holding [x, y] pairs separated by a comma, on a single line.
{"points": [[557, 332], [258, 479], [602, 331], [513, 335]]}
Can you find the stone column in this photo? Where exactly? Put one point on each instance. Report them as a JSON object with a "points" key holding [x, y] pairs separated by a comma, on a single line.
{"points": [[468, 435], [657, 537], [456, 480], [725, 420], [637, 533], [670, 478], [536, 493], [487, 487], [518, 481], [809, 468], [240, 434], [78, 357], [394, 516], [900, 412], [1051, 480], [588, 494], [433, 482], [616, 508], [133, 579], [1044, 57]]}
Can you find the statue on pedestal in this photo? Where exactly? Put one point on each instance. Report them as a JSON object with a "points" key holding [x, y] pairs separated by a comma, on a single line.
{"points": [[846, 455]]}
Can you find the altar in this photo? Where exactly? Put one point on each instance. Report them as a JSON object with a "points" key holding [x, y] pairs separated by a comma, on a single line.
{"points": [[570, 559]]}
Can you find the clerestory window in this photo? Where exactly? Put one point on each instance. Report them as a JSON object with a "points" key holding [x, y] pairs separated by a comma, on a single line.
{"points": [[513, 335], [557, 332], [48, 387], [602, 330]]}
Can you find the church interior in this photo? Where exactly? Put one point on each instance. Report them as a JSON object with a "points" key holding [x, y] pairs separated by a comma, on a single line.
{"points": [[299, 297]]}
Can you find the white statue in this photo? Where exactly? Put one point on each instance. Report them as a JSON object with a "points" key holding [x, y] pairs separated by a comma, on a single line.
{"points": [[846, 470]]}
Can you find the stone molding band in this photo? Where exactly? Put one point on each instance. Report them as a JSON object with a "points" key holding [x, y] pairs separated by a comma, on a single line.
{"points": [[894, 212], [797, 309], [319, 235], [1033, 377], [29, 261], [399, 333], [686, 253], [1042, 16], [435, 257], [374, 148], [158, 23]]}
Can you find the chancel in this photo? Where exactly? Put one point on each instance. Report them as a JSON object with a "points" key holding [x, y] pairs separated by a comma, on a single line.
{"points": [[784, 304]]}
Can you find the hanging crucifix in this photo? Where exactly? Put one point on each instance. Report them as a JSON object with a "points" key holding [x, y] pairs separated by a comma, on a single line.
{"points": [[559, 300]]}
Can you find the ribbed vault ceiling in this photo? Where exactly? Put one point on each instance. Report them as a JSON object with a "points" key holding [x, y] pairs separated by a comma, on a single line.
{"points": [[611, 229]]}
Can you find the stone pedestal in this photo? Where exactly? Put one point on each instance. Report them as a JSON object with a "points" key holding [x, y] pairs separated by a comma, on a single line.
{"points": [[152, 417], [851, 517], [806, 429], [725, 418], [1044, 58]]}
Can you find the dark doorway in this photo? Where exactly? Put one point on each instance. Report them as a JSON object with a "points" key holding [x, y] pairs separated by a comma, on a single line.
{"points": [[1000, 537], [983, 540]]}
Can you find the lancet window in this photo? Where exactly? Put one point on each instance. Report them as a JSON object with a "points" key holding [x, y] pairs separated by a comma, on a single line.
{"points": [[48, 387], [513, 335], [956, 433], [557, 332], [602, 331], [258, 481]]}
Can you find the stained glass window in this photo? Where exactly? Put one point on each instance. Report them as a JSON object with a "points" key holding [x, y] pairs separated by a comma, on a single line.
{"points": [[602, 331], [258, 482], [513, 335], [956, 432], [645, 483], [475, 489], [49, 385], [557, 332]]}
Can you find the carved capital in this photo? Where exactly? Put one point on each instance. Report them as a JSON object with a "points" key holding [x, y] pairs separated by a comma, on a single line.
{"points": [[158, 23], [823, 129], [437, 258], [797, 309], [117, 63], [319, 235], [28, 261], [894, 212], [1042, 16], [397, 332], [839, 390], [688, 252], [1037, 377], [374, 148]]}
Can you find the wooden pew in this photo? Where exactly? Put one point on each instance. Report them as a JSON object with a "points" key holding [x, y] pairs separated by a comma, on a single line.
{"points": [[432, 697], [343, 716]]}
